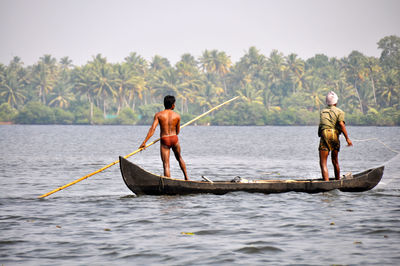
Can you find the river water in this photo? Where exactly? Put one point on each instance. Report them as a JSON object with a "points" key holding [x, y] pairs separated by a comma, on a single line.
{"points": [[100, 222]]}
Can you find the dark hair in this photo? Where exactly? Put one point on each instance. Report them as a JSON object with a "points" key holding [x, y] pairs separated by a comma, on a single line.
{"points": [[169, 100]]}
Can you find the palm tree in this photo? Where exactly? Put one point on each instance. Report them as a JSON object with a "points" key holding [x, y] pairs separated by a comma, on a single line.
{"points": [[209, 93], [190, 89], [275, 69], [187, 67], [390, 91], [315, 92], [254, 62], [103, 78], [335, 78], [373, 70], [206, 62], [62, 95], [189, 60], [127, 85], [137, 64], [167, 82], [139, 67], [44, 76], [251, 95], [296, 67], [223, 63], [84, 86], [136, 91], [390, 56], [355, 70], [250, 68], [65, 63], [190, 81], [217, 63], [159, 63], [13, 80], [271, 101], [11, 88]]}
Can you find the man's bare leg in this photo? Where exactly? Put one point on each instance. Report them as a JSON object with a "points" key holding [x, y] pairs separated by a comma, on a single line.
{"points": [[165, 159], [323, 157], [177, 151], [335, 162]]}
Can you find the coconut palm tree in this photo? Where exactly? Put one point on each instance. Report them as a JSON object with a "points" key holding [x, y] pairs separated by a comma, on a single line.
{"points": [[11, 88], [275, 74], [159, 63], [83, 81], [187, 67], [44, 75], [390, 56], [251, 95], [374, 71], [136, 91], [189, 60], [390, 91], [356, 72], [103, 78], [128, 85], [217, 63], [167, 83], [61, 96], [137, 63], [65, 63], [270, 100], [295, 66]]}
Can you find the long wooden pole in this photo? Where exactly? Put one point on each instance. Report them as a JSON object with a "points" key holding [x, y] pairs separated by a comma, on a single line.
{"points": [[132, 153]]}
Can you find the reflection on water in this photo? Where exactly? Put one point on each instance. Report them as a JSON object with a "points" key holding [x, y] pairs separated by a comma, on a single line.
{"points": [[99, 221]]}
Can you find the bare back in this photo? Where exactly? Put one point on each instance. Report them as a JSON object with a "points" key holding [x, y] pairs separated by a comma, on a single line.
{"points": [[169, 128], [169, 122]]}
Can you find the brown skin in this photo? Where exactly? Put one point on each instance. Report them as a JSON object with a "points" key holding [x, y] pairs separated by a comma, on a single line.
{"points": [[169, 125], [323, 156]]}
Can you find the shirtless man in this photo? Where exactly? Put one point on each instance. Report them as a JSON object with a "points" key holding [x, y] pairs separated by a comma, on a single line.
{"points": [[169, 129], [330, 126]]}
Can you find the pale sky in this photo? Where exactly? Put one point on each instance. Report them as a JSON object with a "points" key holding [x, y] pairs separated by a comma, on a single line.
{"points": [[81, 29]]}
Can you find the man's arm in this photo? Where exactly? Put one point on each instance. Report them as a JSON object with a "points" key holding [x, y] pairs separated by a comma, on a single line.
{"points": [[178, 125], [151, 131], [344, 130]]}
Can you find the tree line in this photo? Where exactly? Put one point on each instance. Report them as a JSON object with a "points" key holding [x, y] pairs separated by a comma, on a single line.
{"points": [[274, 89]]}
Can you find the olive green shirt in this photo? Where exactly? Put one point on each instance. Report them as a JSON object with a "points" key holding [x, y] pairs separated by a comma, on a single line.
{"points": [[330, 118]]}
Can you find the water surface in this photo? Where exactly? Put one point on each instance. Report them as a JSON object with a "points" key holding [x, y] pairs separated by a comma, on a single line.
{"points": [[98, 221]]}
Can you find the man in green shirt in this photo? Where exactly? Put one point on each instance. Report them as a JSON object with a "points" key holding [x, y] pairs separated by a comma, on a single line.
{"points": [[330, 126]]}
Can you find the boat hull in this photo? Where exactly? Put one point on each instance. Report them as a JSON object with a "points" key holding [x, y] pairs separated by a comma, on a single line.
{"points": [[141, 182]]}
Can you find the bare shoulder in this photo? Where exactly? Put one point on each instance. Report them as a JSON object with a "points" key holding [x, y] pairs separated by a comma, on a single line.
{"points": [[177, 115], [158, 116]]}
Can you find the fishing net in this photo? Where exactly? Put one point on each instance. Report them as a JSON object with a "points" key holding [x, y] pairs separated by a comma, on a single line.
{"points": [[391, 176]]}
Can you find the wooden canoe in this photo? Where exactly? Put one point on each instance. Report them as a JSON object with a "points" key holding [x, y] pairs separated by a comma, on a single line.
{"points": [[142, 182]]}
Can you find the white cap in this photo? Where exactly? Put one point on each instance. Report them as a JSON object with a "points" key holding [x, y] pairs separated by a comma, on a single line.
{"points": [[331, 98]]}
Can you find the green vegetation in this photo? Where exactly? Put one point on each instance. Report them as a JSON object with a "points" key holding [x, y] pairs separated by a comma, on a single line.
{"points": [[274, 89]]}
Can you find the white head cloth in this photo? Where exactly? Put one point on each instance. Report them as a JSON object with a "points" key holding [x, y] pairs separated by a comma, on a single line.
{"points": [[331, 98]]}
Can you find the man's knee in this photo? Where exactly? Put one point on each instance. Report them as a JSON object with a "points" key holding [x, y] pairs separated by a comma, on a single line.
{"points": [[178, 157], [335, 159]]}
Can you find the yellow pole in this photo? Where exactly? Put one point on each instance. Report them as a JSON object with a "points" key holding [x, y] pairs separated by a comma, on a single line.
{"points": [[130, 154]]}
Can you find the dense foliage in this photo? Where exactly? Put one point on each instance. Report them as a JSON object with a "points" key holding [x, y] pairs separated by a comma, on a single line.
{"points": [[274, 89]]}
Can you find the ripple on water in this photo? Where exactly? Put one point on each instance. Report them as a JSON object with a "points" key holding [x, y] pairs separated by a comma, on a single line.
{"points": [[259, 249]]}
